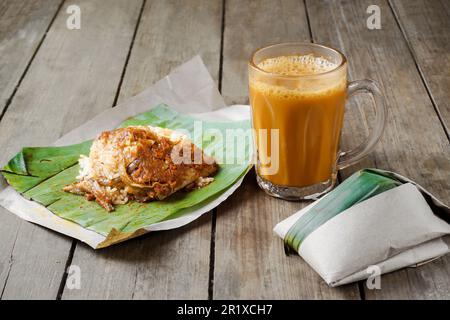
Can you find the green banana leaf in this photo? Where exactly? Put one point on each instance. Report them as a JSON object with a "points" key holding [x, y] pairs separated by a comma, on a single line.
{"points": [[39, 174], [359, 187]]}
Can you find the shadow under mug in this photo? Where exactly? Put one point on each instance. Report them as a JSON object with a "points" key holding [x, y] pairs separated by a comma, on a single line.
{"points": [[297, 120]]}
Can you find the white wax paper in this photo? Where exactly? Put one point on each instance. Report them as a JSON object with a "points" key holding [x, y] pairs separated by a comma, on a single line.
{"points": [[187, 89]]}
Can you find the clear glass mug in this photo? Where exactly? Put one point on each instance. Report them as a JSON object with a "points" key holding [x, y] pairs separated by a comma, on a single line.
{"points": [[297, 118]]}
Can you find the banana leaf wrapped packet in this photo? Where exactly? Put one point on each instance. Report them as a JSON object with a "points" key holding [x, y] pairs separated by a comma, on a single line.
{"points": [[374, 218]]}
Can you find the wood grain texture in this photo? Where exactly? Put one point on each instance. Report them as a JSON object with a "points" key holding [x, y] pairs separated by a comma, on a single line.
{"points": [[74, 76], [249, 26], [414, 143], [170, 34], [426, 25], [250, 262], [22, 26], [168, 264]]}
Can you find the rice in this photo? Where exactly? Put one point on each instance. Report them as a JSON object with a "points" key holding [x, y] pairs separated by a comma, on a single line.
{"points": [[135, 163]]}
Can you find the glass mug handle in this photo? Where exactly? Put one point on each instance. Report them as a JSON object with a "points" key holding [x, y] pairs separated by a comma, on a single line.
{"points": [[348, 158]]}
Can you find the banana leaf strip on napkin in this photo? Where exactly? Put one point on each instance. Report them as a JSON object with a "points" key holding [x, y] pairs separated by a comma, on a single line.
{"points": [[360, 186]]}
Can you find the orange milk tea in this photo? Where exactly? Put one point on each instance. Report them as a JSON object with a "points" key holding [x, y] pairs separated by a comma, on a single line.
{"points": [[307, 110]]}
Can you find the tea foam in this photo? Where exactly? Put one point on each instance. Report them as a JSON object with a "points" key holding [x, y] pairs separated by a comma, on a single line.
{"points": [[297, 65]]}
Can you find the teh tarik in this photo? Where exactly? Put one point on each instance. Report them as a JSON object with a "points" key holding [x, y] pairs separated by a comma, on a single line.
{"points": [[307, 110]]}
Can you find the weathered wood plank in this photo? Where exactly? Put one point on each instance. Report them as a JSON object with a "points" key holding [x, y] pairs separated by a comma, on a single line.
{"points": [[74, 76], [414, 143], [168, 264], [172, 33], [426, 25], [250, 261], [22, 26]]}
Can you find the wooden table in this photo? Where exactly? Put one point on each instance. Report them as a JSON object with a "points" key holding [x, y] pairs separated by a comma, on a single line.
{"points": [[53, 79]]}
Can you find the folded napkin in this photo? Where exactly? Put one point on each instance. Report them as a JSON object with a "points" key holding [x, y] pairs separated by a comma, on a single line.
{"points": [[393, 225]]}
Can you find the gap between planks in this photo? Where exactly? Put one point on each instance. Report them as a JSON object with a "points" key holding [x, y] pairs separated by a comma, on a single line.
{"points": [[360, 284], [8, 103], [10, 262], [419, 69], [62, 284], [11, 97], [212, 251]]}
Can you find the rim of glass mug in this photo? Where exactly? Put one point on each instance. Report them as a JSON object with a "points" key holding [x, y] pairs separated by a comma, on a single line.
{"points": [[339, 65]]}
